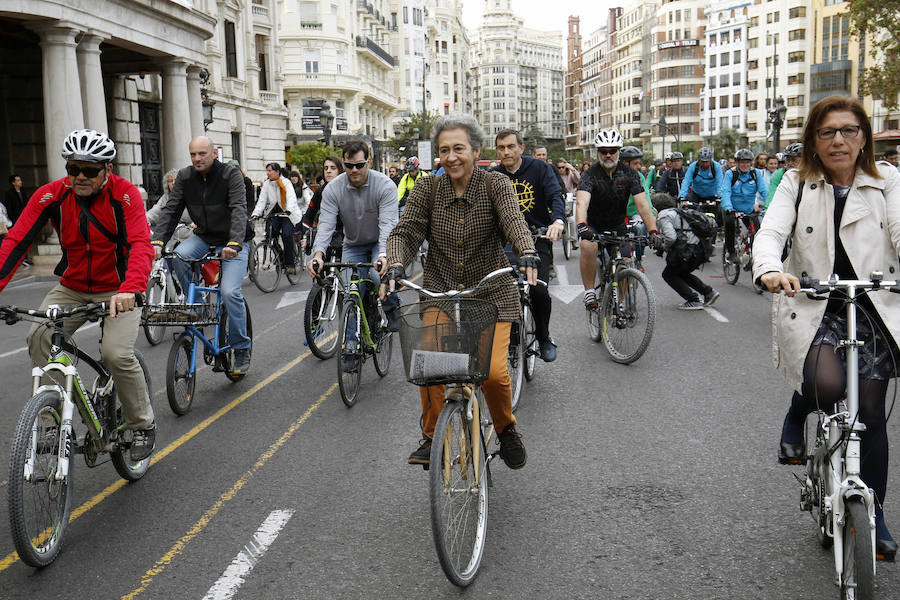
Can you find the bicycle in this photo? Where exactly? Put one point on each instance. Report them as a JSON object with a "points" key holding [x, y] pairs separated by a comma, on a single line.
{"points": [[840, 502], [195, 314], [626, 314], [745, 227], [41, 459], [268, 258], [162, 290], [372, 335], [455, 351], [570, 231], [321, 312]]}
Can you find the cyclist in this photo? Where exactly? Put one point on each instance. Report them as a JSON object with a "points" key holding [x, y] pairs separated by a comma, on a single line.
{"points": [[394, 175], [602, 201], [366, 202], [740, 187], [791, 161], [632, 156], [670, 181], [278, 195], [107, 256], [541, 202], [216, 199], [331, 168], [408, 181], [467, 223], [702, 179]]}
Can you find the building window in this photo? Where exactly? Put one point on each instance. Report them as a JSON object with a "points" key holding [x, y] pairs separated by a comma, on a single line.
{"points": [[262, 62], [723, 101], [795, 101], [773, 17], [723, 80], [736, 57], [236, 146], [796, 34], [798, 56], [405, 15], [723, 122], [712, 83], [736, 100], [736, 78], [796, 79], [712, 60], [735, 122], [309, 15], [724, 59], [752, 64], [753, 43], [312, 61], [230, 50], [797, 12], [754, 21], [712, 102], [752, 85]]}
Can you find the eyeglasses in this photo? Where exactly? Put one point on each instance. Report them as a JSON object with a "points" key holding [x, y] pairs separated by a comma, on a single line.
{"points": [[847, 132], [607, 151], [349, 166], [89, 172]]}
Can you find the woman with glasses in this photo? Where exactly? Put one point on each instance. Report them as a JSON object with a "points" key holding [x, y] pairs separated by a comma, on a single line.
{"points": [[847, 223]]}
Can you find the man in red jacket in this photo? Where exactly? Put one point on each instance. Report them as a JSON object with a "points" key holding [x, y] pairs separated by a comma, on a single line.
{"points": [[107, 256]]}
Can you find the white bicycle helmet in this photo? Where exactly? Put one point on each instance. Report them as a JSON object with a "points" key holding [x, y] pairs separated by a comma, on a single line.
{"points": [[705, 153], [88, 145], [609, 138]]}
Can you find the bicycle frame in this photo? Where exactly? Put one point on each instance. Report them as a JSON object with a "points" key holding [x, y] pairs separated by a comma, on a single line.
{"points": [[329, 311], [352, 294], [197, 334]]}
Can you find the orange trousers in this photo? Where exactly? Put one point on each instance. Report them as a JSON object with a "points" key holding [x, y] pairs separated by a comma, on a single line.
{"points": [[497, 387]]}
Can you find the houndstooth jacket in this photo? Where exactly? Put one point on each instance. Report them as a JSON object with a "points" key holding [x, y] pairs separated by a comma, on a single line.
{"points": [[466, 236]]}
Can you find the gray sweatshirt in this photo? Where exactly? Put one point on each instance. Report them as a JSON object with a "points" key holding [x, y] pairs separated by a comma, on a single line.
{"points": [[670, 224], [368, 213]]}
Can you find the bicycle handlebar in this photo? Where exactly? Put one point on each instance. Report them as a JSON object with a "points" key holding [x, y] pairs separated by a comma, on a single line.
{"points": [[93, 311], [607, 237], [810, 285], [458, 293]]}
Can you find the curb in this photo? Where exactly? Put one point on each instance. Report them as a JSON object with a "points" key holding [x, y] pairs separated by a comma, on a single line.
{"points": [[31, 279]]}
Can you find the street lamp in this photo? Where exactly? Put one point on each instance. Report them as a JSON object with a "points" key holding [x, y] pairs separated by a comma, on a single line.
{"points": [[326, 119], [776, 118], [206, 102], [663, 127]]}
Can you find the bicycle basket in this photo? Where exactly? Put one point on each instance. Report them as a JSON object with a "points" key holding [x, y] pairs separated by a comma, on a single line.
{"points": [[447, 341], [179, 315]]}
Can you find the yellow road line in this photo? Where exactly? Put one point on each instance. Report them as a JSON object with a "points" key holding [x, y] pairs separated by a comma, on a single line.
{"points": [[201, 524], [11, 558]]}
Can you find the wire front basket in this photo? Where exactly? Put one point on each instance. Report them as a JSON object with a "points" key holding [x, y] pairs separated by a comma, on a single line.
{"points": [[448, 340], [179, 315]]}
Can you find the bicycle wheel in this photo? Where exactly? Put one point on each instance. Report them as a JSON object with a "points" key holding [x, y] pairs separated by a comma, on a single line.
{"points": [[267, 267], [627, 327], [251, 260], [350, 359], [39, 506], [459, 496], [515, 362], [180, 382], [858, 576], [566, 242], [531, 345], [226, 358], [730, 269], [156, 295], [384, 348], [320, 320], [129, 470], [593, 318]]}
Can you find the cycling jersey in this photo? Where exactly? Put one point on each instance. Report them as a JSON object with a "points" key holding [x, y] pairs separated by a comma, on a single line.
{"points": [[407, 183], [773, 184], [705, 182], [116, 258], [631, 209], [609, 194], [738, 191]]}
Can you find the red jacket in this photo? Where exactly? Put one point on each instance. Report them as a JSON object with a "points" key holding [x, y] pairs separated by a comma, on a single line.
{"points": [[118, 260]]}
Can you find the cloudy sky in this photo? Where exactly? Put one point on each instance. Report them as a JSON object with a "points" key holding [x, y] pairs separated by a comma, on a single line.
{"points": [[546, 15]]}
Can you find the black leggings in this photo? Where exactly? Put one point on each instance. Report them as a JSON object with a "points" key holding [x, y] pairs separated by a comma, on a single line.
{"points": [[824, 383]]}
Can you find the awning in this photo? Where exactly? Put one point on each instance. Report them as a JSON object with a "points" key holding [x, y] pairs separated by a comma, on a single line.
{"points": [[887, 134]]}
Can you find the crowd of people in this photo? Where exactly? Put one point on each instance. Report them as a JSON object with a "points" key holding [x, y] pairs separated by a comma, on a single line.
{"points": [[475, 221]]}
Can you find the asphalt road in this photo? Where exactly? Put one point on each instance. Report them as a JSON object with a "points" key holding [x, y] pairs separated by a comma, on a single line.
{"points": [[656, 480]]}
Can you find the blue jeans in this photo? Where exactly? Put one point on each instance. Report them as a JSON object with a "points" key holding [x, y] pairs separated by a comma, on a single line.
{"points": [[364, 253], [230, 282]]}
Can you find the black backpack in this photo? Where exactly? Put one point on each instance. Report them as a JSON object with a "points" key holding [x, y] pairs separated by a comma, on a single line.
{"points": [[703, 226]]}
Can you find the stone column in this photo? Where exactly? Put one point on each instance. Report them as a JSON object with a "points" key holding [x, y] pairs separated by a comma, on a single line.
{"points": [[63, 111], [93, 98], [176, 117], [195, 101]]}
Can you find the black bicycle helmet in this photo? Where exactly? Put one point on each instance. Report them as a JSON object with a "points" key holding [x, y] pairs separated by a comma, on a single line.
{"points": [[630, 153], [743, 154], [705, 153]]}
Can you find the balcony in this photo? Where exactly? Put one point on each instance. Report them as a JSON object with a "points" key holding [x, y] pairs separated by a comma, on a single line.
{"points": [[260, 11], [310, 25], [269, 98], [365, 43]]}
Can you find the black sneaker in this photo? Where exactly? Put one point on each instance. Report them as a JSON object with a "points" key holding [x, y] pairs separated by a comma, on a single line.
{"points": [[142, 443], [393, 323], [708, 299], [548, 350], [241, 362], [350, 363], [422, 454], [512, 450]]}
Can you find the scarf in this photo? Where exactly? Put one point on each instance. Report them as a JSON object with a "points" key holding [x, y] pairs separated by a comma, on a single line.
{"points": [[283, 193]]}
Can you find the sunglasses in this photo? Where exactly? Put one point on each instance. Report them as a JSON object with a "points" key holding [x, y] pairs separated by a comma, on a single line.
{"points": [[608, 151], [89, 172], [358, 165]]}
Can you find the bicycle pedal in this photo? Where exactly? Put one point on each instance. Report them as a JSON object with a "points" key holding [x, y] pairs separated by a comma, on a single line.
{"points": [[426, 467], [791, 461]]}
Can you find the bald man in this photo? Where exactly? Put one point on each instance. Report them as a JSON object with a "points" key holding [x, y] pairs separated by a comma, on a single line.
{"points": [[216, 200]]}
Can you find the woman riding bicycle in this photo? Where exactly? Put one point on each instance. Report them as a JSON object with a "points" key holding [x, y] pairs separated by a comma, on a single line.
{"points": [[465, 218], [331, 168], [845, 222]]}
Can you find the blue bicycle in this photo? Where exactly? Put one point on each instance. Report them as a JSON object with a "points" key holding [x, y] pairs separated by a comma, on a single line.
{"points": [[203, 309]]}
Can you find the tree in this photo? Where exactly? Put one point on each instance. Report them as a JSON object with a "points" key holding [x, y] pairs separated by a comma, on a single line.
{"points": [[409, 131], [308, 158], [689, 149], [876, 22], [725, 143]]}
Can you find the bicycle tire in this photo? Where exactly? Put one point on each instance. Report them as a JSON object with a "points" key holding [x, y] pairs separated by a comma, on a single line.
{"points": [[180, 382], [515, 362], [156, 295], [458, 489], [593, 318], [251, 260], [384, 348], [348, 381], [637, 311], [226, 358], [566, 242], [322, 334], [731, 270], [129, 470], [267, 267], [532, 347], [38, 537], [858, 575]]}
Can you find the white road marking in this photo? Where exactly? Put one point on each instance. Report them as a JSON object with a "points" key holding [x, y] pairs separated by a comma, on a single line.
{"points": [[566, 293], [25, 348], [561, 275], [715, 314], [290, 298], [227, 585]]}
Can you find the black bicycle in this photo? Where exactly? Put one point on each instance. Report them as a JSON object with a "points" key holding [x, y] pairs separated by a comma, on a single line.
{"points": [[268, 258]]}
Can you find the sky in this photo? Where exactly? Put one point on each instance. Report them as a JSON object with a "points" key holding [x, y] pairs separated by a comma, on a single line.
{"points": [[535, 12]]}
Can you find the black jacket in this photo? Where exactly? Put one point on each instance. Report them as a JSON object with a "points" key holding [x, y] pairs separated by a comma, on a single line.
{"points": [[216, 203], [14, 203]]}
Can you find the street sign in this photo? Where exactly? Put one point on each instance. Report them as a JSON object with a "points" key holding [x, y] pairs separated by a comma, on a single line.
{"points": [[424, 153]]}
